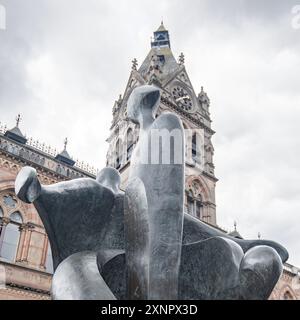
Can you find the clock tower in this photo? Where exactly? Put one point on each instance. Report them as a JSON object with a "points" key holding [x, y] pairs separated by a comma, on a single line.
{"points": [[161, 69]]}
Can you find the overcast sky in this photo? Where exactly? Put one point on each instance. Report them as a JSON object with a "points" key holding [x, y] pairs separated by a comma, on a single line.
{"points": [[64, 63]]}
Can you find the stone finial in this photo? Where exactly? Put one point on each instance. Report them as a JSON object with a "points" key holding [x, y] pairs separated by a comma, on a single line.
{"points": [[18, 119], [235, 225], [134, 64], [203, 98], [65, 143], [181, 59]]}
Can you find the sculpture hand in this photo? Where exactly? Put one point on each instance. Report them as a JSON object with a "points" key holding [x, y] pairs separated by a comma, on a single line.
{"points": [[259, 272], [217, 268]]}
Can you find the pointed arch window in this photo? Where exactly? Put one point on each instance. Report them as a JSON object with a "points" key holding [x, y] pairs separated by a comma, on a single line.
{"points": [[16, 217], [118, 155], [194, 205], [198, 208], [9, 201], [190, 203], [287, 296], [10, 237], [129, 143], [197, 144], [194, 146], [187, 139]]}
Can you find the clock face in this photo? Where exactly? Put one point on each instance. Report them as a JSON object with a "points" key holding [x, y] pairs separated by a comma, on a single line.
{"points": [[182, 99]]}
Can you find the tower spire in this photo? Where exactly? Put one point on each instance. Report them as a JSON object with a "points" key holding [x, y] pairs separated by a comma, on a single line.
{"points": [[15, 133], [64, 155]]}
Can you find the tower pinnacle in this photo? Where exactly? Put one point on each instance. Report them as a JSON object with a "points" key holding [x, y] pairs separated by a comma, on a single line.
{"points": [[15, 133], [134, 64], [65, 144], [259, 235], [64, 156], [181, 59], [18, 119]]}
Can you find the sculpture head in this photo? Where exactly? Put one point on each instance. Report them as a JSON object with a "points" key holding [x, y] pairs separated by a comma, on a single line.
{"points": [[110, 178], [27, 185], [143, 104]]}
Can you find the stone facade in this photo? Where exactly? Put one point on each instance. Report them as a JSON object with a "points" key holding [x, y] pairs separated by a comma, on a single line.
{"points": [[25, 256], [288, 286]]}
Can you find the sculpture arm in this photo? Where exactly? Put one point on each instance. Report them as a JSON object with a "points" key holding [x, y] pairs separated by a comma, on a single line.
{"points": [[196, 230]]}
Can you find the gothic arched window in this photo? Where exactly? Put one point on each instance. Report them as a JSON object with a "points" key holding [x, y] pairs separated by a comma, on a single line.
{"points": [[129, 143], [287, 296], [10, 240], [9, 201], [198, 208], [187, 139], [16, 217], [118, 154], [194, 205], [194, 146]]}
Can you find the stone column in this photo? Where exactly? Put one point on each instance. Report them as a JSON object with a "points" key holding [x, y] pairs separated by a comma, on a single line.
{"points": [[205, 212], [26, 245], [4, 222], [20, 248]]}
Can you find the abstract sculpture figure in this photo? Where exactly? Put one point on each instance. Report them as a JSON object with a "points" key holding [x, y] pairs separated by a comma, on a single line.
{"points": [[156, 184], [79, 215], [107, 244]]}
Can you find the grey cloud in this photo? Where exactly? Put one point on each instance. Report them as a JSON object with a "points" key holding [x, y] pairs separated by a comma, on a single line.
{"points": [[63, 63]]}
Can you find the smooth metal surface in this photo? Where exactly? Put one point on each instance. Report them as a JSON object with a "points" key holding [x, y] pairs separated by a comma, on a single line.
{"points": [[155, 196], [139, 245], [78, 215], [78, 278]]}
